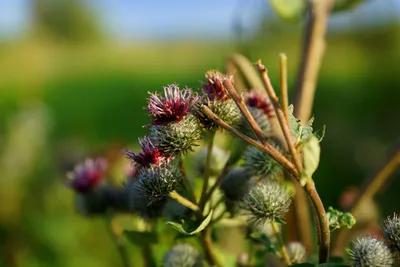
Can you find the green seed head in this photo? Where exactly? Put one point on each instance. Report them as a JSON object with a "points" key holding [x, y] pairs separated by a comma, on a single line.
{"points": [[176, 138], [297, 252], [183, 255], [266, 202], [261, 164], [236, 184], [391, 231], [370, 252]]}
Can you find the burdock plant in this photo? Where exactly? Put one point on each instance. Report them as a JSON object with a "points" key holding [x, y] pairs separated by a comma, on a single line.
{"points": [[272, 152]]}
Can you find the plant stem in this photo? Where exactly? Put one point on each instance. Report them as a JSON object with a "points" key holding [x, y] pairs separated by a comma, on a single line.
{"points": [[279, 113], [208, 250], [246, 113], [284, 86], [218, 181], [313, 51], [368, 191], [203, 199], [278, 236], [118, 242], [267, 148], [184, 201], [186, 182]]}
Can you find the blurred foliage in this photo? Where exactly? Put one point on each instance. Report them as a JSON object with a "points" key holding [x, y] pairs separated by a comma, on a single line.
{"points": [[73, 101]]}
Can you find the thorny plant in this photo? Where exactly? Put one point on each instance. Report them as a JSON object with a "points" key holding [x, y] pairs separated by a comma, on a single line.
{"points": [[272, 157]]}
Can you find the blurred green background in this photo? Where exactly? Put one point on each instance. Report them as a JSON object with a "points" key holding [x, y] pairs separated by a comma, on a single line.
{"points": [[74, 81]]}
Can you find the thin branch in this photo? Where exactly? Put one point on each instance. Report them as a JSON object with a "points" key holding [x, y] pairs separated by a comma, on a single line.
{"points": [[284, 86], [285, 254], [267, 148], [313, 51], [246, 113], [319, 210], [208, 247], [186, 182], [368, 191], [184, 201], [218, 181], [206, 179], [279, 113]]}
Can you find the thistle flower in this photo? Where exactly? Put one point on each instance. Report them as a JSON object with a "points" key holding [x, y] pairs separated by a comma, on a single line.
{"points": [[371, 252], [296, 251], [391, 231], [236, 184], [149, 155], [261, 164], [183, 255], [255, 99], [87, 175], [214, 88], [172, 107], [266, 202], [176, 138], [157, 181]]}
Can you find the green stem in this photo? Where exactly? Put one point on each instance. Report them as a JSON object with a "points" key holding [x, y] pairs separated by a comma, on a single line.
{"points": [[285, 254], [118, 242], [186, 182], [203, 199], [184, 201]]}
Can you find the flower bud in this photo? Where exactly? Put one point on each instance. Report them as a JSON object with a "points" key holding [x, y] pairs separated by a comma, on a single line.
{"points": [[172, 107], [87, 176], [176, 138], [391, 231], [183, 255], [297, 252], [149, 155], [255, 99], [157, 182], [262, 121], [371, 252], [214, 88], [236, 184], [261, 164], [266, 202]]}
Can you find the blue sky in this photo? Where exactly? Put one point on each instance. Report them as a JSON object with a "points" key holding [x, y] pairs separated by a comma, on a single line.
{"points": [[151, 19]]}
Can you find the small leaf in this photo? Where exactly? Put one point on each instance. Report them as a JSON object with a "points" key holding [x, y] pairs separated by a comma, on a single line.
{"points": [[289, 10], [141, 238], [319, 134], [338, 219], [191, 227], [311, 154]]}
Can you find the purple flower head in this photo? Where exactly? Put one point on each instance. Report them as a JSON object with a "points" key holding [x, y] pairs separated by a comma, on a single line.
{"points": [[149, 155], [257, 100], [172, 107], [87, 175], [214, 87]]}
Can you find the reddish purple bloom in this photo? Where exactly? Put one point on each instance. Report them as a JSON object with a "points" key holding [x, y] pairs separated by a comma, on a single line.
{"points": [[255, 99], [149, 155], [214, 87], [87, 175], [172, 107]]}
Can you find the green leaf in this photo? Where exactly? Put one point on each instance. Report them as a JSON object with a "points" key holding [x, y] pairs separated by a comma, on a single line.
{"points": [[311, 154], [338, 219], [141, 238], [263, 238], [289, 10], [343, 5], [191, 227], [302, 133], [319, 134]]}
